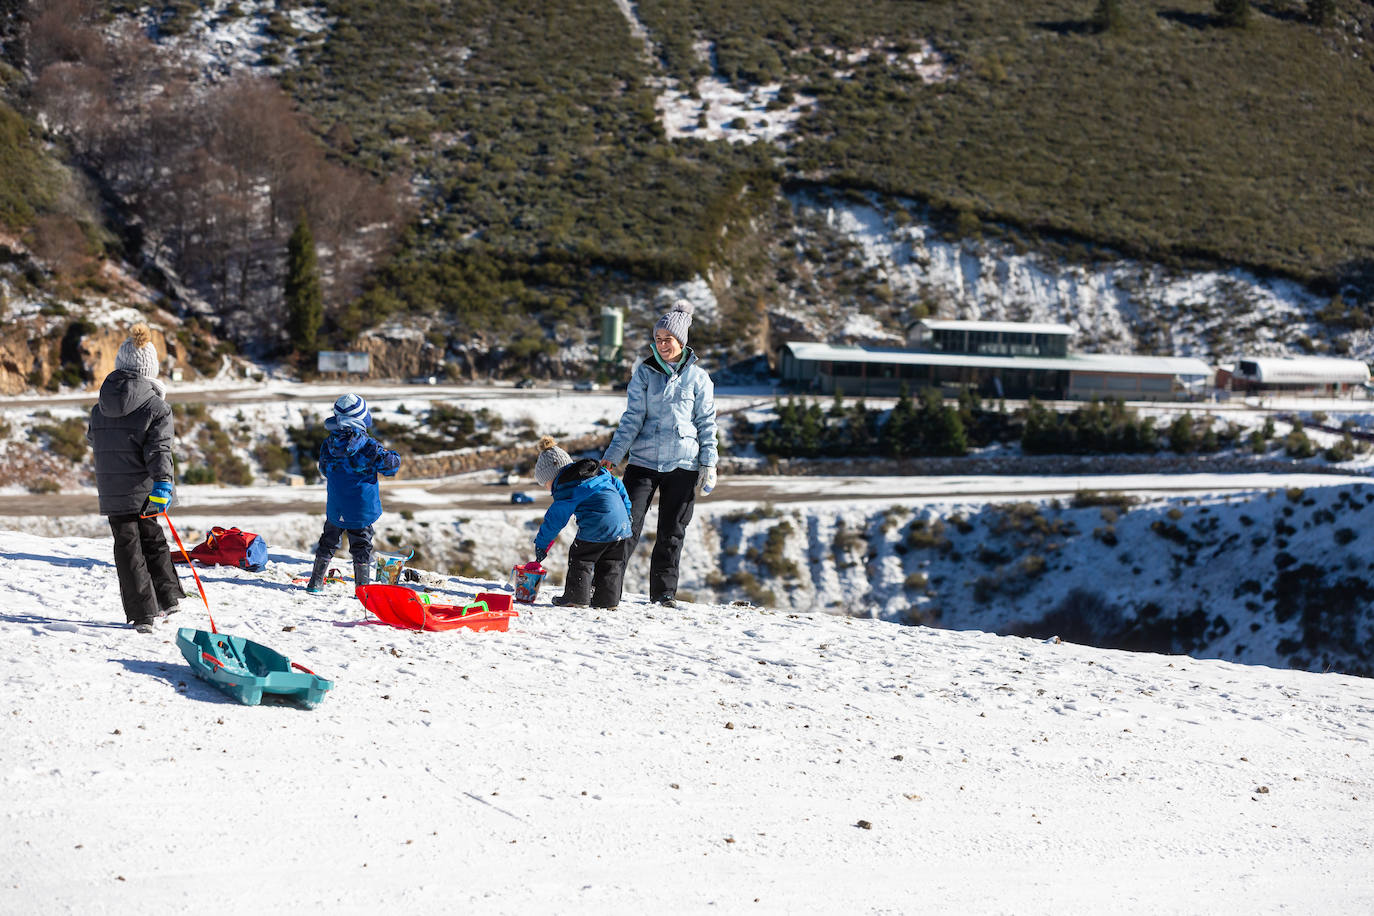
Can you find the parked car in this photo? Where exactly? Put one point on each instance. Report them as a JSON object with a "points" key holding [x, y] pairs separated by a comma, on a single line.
{"points": [[423, 380], [519, 496], [586, 384], [525, 382]]}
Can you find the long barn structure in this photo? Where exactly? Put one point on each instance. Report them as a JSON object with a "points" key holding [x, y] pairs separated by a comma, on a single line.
{"points": [[1319, 375], [994, 358]]}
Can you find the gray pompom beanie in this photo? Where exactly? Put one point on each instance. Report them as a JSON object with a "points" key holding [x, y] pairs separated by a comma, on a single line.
{"points": [[137, 353], [552, 459], [677, 320]]}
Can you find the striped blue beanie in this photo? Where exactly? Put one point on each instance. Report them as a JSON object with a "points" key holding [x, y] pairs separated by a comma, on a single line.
{"points": [[351, 410]]}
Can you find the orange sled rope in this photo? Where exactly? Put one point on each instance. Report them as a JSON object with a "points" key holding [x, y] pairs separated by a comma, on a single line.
{"points": [[168, 519], [213, 629]]}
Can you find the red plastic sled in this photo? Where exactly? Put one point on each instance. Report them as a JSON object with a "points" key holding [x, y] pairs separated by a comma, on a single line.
{"points": [[401, 607]]}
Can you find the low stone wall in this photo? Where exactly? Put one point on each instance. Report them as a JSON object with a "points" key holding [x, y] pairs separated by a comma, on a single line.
{"points": [[1038, 465], [447, 464]]}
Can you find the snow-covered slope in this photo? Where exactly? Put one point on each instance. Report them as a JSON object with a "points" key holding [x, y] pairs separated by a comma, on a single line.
{"points": [[1278, 575], [1116, 305], [1213, 575], [702, 759]]}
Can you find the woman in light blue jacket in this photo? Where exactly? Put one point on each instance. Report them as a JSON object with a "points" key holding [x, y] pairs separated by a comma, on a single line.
{"points": [[668, 435]]}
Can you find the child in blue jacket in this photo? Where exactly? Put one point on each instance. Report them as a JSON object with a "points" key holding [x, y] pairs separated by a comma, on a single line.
{"points": [[350, 460], [597, 557]]}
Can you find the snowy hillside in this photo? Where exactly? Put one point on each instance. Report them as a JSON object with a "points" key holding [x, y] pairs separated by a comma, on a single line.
{"points": [[1116, 305], [1273, 576], [703, 759]]}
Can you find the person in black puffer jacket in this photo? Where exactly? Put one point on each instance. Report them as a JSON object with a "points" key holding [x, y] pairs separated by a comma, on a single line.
{"points": [[131, 434]]}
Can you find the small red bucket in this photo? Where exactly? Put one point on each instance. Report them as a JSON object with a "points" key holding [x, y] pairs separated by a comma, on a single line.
{"points": [[526, 581], [496, 601]]}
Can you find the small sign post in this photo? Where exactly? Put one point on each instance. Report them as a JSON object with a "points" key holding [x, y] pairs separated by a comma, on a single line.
{"points": [[343, 361]]}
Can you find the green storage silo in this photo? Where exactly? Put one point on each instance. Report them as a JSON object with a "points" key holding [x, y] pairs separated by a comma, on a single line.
{"points": [[612, 335]]}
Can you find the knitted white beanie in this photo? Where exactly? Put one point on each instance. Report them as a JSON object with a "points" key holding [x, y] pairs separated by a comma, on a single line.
{"points": [[137, 352], [552, 459]]}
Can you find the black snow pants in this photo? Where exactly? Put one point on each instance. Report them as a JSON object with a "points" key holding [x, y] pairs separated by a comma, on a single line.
{"points": [[359, 543], [596, 572], [148, 581], [677, 491]]}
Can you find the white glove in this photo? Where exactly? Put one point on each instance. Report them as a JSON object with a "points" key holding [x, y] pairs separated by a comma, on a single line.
{"points": [[706, 479]]}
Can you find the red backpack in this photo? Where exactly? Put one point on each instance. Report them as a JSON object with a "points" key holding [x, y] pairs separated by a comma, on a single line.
{"points": [[231, 547]]}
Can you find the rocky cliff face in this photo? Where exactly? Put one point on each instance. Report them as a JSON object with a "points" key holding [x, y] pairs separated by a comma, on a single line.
{"points": [[46, 352]]}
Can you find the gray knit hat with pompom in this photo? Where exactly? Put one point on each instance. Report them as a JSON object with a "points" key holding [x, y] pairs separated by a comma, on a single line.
{"points": [[137, 353], [552, 459], [677, 320]]}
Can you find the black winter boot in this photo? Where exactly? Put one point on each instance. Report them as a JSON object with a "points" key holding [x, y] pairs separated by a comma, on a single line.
{"points": [[316, 583], [362, 574]]}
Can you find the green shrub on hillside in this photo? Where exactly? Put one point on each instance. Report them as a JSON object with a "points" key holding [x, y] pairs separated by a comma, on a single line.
{"points": [[1098, 426], [544, 151], [547, 185], [28, 181], [805, 430], [66, 438]]}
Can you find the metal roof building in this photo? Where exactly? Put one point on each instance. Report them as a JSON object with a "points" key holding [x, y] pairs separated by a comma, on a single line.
{"points": [[991, 338], [1296, 374], [860, 370]]}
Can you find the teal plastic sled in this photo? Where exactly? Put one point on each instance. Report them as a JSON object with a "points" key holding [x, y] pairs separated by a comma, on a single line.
{"points": [[246, 670]]}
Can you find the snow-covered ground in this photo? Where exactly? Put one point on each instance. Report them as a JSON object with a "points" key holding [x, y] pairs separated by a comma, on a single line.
{"points": [[702, 759], [225, 38], [1191, 562]]}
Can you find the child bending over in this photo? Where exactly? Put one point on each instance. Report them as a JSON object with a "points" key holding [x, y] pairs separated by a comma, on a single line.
{"points": [[596, 497]]}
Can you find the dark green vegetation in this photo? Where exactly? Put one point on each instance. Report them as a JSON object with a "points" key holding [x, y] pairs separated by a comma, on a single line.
{"points": [[910, 429], [1174, 131], [1169, 137], [66, 437], [928, 427], [208, 455], [551, 184], [304, 299], [27, 183]]}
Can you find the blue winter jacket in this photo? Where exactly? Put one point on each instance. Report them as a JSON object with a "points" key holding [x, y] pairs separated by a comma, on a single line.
{"points": [[669, 420], [595, 496], [350, 460]]}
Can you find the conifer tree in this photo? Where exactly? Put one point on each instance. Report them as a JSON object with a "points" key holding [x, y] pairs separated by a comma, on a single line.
{"points": [[1182, 437], [897, 432], [938, 429], [1233, 13], [1321, 12], [1107, 17], [304, 300], [1041, 429]]}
